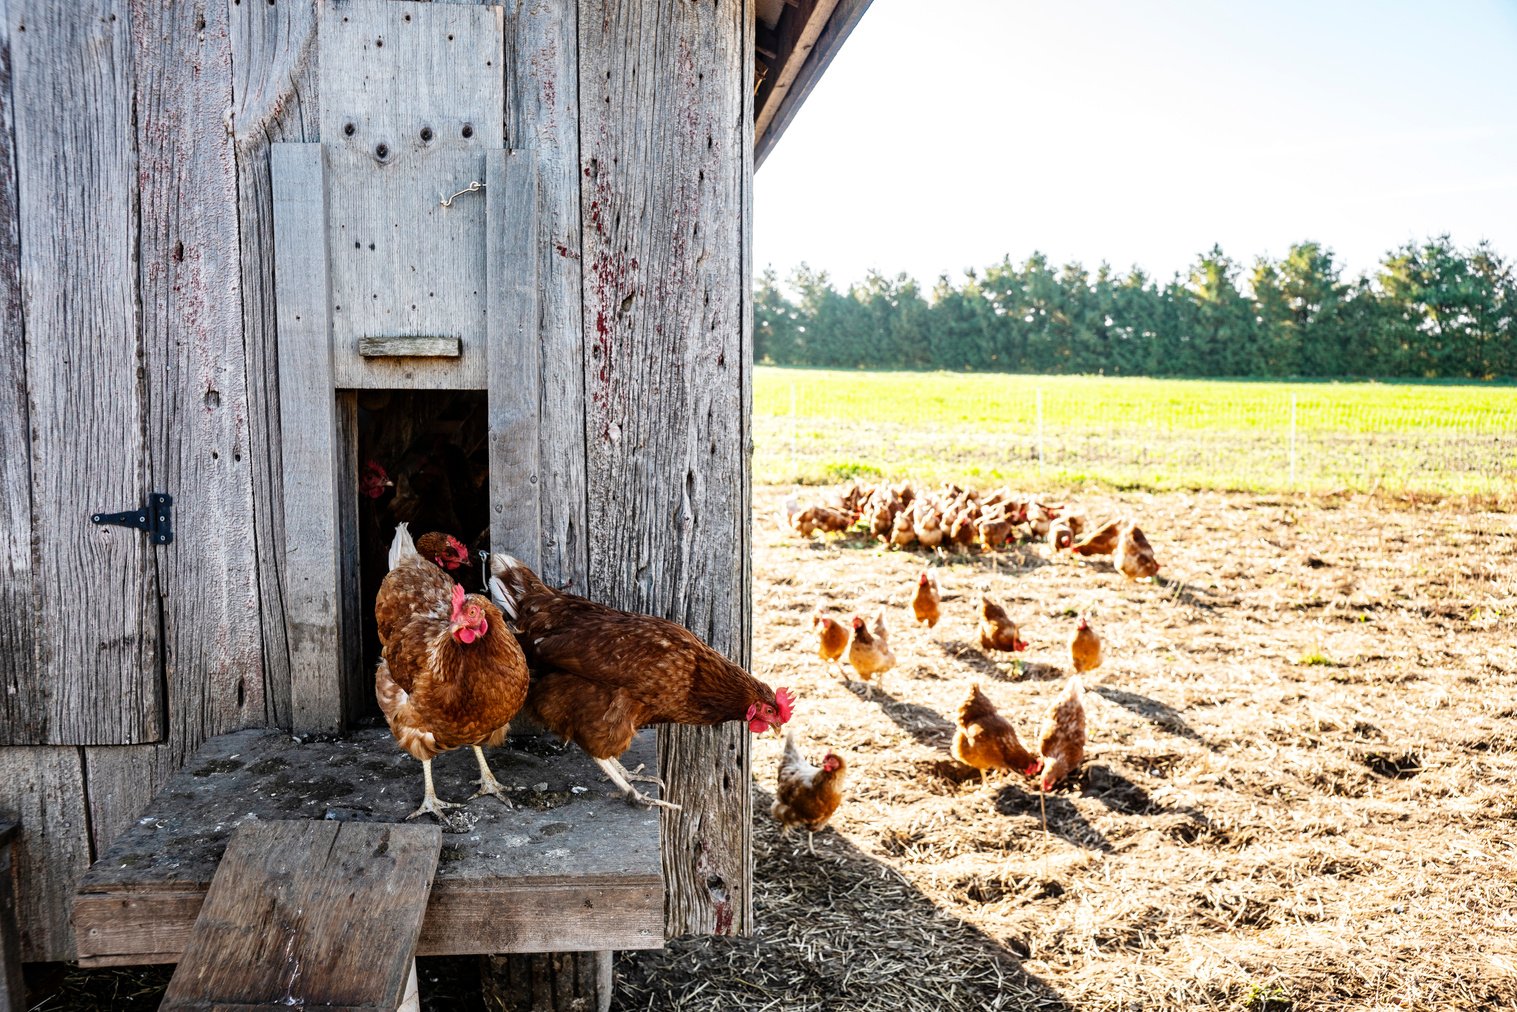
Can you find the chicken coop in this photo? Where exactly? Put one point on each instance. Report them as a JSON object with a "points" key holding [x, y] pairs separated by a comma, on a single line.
{"points": [[279, 273]]}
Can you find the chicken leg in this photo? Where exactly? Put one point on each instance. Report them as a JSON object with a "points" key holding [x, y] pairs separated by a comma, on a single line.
{"points": [[432, 804], [614, 770], [487, 782]]}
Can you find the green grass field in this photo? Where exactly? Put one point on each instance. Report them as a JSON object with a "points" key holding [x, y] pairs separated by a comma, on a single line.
{"points": [[814, 425]]}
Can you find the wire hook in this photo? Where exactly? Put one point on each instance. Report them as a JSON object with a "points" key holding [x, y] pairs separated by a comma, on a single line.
{"points": [[474, 187]]}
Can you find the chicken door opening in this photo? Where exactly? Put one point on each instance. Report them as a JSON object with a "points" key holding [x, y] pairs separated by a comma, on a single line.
{"points": [[423, 460]]}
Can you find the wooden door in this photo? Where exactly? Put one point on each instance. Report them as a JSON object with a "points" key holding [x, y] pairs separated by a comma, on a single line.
{"points": [[79, 604]]}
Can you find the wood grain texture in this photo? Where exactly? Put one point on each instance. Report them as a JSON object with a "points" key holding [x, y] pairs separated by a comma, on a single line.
{"points": [[17, 602], [515, 367], [310, 913], [560, 982], [308, 418], [415, 347], [542, 117], [43, 788], [12, 985], [411, 100], [563, 871], [190, 280], [76, 166], [664, 310], [274, 84], [401, 265], [122, 780]]}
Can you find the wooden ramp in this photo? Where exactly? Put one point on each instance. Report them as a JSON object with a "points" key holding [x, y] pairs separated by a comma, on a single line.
{"points": [[569, 869], [309, 914]]}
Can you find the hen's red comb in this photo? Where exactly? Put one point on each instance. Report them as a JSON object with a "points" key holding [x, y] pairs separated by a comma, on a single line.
{"points": [[784, 699], [458, 598]]}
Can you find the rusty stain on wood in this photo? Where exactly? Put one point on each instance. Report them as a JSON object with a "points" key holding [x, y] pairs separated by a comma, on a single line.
{"points": [[662, 243]]}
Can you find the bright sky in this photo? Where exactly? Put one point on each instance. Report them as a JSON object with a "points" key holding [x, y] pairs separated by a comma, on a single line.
{"points": [[948, 133]]}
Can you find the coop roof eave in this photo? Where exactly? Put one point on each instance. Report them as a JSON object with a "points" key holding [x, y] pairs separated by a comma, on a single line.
{"points": [[794, 42]]}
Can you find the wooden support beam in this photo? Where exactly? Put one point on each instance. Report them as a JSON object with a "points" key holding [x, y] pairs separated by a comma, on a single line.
{"points": [[555, 982], [665, 383], [308, 410], [12, 987], [310, 914]]}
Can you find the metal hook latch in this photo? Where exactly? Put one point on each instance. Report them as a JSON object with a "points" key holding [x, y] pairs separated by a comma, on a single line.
{"points": [[474, 187]]}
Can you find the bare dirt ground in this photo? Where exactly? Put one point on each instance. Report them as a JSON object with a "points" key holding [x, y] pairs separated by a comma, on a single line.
{"points": [[1300, 790]]}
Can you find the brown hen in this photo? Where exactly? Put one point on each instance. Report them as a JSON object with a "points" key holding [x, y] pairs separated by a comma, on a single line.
{"points": [[600, 673], [869, 651], [831, 638], [450, 672], [986, 740], [926, 599], [1061, 739], [1135, 556], [1084, 648], [1101, 541], [997, 630], [807, 795]]}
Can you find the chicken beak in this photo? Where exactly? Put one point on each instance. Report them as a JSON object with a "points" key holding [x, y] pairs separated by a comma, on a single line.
{"points": [[778, 733]]}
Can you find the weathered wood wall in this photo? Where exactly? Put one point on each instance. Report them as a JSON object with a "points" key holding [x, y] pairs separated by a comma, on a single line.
{"points": [[662, 245], [139, 350]]}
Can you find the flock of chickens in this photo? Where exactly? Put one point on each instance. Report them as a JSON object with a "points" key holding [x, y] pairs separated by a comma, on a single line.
{"points": [[456, 667], [954, 518]]}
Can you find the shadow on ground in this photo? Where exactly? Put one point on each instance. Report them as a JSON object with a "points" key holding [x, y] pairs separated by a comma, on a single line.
{"points": [[838, 931], [1161, 715]]}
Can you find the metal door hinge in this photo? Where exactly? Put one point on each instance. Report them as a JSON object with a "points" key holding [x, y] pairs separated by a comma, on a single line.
{"points": [[157, 519]]}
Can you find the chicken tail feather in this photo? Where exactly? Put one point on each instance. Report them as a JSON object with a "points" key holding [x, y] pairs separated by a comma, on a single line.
{"points": [[501, 598], [402, 547], [516, 580]]}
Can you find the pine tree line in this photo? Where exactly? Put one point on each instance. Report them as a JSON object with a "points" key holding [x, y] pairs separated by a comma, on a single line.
{"points": [[1429, 310]]}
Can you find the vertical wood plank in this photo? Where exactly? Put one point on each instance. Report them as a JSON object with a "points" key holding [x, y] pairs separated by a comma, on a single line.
{"points": [[77, 182], [17, 605], [515, 349], [12, 984], [308, 413], [44, 789], [122, 780], [357, 685], [274, 99], [542, 117], [745, 418], [662, 96], [196, 369]]}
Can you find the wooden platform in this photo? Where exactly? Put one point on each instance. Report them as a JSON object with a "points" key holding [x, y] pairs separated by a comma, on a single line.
{"points": [[310, 914], [569, 869]]}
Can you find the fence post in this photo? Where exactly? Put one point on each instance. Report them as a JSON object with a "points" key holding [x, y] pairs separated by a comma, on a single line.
{"points": [[1293, 440], [1040, 432], [794, 474]]}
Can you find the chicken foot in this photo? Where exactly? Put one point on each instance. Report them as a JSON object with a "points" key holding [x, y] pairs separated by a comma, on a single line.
{"points": [[487, 782], [637, 775], [614, 770], [432, 804]]}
